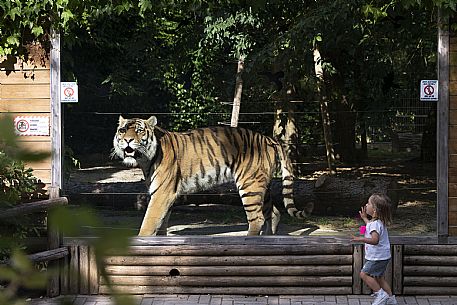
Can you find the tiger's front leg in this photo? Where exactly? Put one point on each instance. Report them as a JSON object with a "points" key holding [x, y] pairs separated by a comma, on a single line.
{"points": [[157, 211]]}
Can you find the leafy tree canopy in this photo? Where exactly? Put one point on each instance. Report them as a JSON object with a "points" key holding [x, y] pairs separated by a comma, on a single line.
{"points": [[23, 20]]}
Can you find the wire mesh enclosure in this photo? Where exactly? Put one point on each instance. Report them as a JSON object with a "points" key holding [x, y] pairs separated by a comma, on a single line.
{"points": [[398, 159]]}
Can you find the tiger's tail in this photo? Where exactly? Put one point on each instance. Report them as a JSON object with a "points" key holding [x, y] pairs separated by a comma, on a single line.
{"points": [[288, 187]]}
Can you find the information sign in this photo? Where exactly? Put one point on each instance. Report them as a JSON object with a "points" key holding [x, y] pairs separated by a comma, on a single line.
{"points": [[429, 90], [68, 92], [32, 125]]}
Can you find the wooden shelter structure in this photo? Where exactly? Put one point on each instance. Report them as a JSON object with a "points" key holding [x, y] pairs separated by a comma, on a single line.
{"points": [[30, 94], [240, 265]]}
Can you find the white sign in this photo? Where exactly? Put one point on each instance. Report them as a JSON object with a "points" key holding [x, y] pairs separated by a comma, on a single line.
{"points": [[68, 92], [429, 90], [31, 125]]}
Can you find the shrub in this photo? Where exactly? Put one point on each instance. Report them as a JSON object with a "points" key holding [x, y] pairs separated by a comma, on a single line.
{"points": [[17, 183]]}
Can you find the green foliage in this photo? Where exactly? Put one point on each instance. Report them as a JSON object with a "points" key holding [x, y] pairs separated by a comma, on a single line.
{"points": [[17, 183], [19, 273]]}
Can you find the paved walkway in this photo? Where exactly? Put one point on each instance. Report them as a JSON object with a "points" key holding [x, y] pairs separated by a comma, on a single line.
{"points": [[185, 299]]}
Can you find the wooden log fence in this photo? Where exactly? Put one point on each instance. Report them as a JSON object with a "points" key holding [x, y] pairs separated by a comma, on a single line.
{"points": [[258, 265], [430, 270], [56, 255]]}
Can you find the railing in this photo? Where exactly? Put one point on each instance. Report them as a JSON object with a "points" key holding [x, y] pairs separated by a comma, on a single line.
{"points": [[55, 251]]}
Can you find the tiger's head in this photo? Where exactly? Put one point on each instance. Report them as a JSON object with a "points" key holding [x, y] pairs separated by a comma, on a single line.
{"points": [[134, 141]]}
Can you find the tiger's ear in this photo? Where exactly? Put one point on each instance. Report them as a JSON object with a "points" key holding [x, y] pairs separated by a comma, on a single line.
{"points": [[152, 121], [122, 121]]}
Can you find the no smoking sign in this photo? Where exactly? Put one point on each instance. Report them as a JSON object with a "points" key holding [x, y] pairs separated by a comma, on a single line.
{"points": [[68, 92], [429, 90]]}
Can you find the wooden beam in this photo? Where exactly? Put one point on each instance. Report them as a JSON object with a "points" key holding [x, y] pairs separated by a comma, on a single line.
{"points": [[120, 289], [27, 208], [229, 260], [432, 250], [267, 270], [429, 271], [224, 250], [419, 290], [49, 255], [230, 281], [444, 281]]}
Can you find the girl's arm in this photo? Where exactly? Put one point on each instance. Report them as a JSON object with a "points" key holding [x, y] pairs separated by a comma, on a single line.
{"points": [[373, 240]]}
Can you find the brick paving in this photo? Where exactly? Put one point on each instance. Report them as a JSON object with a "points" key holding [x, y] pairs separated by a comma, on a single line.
{"points": [[186, 299]]}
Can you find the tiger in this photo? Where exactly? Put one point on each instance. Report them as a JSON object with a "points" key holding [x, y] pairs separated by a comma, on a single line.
{"points": [[176, 163]]}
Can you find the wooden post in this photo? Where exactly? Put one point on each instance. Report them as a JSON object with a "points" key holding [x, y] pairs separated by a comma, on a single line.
{"points": [[56, 119], [54, 242], [443, 127], [84, 269], [93, 272], [397, 269], [74, 269], [56, 156], [238, 91], [356, 267], [64, 275]]}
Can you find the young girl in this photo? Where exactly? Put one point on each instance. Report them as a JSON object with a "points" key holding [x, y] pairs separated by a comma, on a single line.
{"points": [[377, 247]]}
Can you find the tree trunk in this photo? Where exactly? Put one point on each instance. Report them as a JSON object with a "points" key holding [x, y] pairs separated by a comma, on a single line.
{"points": [[330, 195], [285, 129], [238, 91], [323, 100], [343, 196], [363, 138], [345, 132]]}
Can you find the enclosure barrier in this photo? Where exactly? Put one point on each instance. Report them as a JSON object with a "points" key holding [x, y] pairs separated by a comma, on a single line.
{"points": [[257, 265], [55, 255]]}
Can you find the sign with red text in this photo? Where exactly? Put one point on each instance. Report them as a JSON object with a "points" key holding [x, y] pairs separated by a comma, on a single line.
{"points": [[32, 125], [68, 92], [429, 90]]}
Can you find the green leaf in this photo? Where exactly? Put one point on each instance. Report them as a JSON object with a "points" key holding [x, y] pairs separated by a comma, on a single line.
{"points": [[37, 31], [144, 5], [12, 40], [66, 16], [16, 11]]}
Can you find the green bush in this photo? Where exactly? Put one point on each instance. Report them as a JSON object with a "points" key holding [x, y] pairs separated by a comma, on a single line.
{"points": [[17, 183]]}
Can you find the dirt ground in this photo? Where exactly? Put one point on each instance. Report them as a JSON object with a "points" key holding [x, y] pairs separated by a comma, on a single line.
{"points": [[112, 190]]}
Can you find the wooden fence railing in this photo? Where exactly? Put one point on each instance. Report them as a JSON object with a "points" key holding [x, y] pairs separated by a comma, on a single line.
{"points": [[258, 265], [55, 250], [267, 265]]}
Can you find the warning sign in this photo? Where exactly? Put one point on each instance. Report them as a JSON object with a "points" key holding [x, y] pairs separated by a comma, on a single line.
{"points": [[429, 90], [31, 125], [68, 92]]}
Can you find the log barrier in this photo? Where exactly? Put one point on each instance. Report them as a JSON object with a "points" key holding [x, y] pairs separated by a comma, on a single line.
{"points": [[257, 265]]}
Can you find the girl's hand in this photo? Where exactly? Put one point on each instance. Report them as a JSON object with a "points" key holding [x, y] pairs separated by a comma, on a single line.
{"points": [[363, 214], [356, 238]]}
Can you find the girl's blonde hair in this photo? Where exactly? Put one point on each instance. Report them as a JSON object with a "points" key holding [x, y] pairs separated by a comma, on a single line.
{"points": [[382, 205]]}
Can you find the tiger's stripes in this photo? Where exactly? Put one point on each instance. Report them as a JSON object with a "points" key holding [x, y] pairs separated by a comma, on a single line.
{"points": [[178, 163]]}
